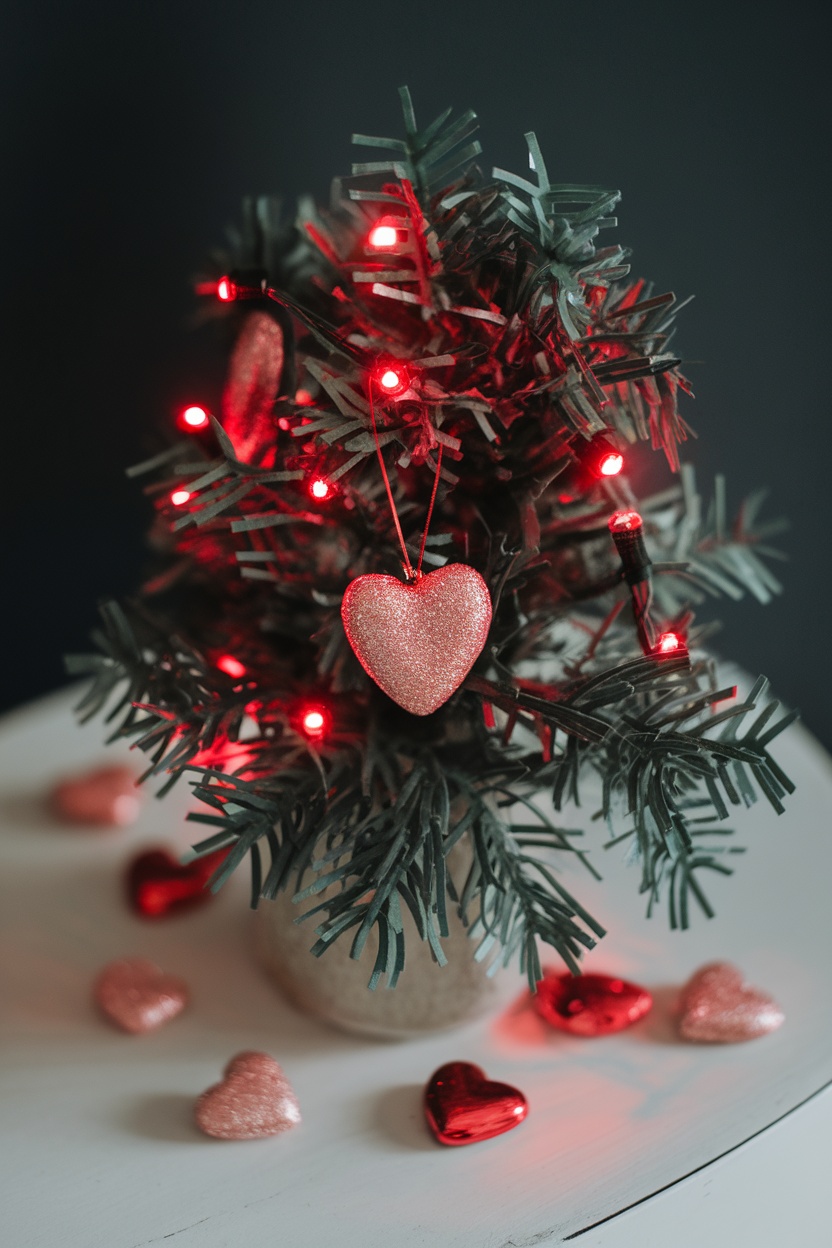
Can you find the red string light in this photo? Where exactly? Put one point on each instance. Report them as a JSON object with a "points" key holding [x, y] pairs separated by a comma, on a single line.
{"points": [[391, 379], [383, 237], [668, 643], [226, 290], [180, 497], [314, 721], [231, 666], [625, 522], [193, 418], [611, 464], [320, 488]]}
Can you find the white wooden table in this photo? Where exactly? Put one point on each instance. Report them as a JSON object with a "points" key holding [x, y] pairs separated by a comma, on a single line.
{"points": [[97, 1149]]}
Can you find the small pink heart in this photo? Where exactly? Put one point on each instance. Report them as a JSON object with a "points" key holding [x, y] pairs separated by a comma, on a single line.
{"points": [[418, 641], [106, 797], [138, 996], [253, 1100], [717, 1007]]}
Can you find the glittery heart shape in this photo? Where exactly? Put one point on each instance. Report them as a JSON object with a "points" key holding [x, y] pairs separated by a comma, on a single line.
{"points": [[105, 797], [463, 1107], [253, 1100], [590, 1005], [138, 996], [158, 885], [716, 1006], [252, 385], [418, 641]]}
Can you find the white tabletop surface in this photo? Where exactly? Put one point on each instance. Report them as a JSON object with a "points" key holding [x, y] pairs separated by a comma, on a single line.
{"points": [[97, 1147]]}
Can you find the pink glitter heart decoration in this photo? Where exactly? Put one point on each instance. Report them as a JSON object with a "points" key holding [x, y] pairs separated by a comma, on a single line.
{"points": [[105, 797], [138, 996], [717, 1007], [418, 641], [254, 1099]]}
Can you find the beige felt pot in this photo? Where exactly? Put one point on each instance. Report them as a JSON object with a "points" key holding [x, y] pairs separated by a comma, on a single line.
{"points": [[427, 997]]}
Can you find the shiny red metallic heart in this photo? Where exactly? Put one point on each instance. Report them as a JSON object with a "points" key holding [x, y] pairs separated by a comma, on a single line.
{"points": [[158, 885], [590, 1005], [418, 641], [463, 1107]]}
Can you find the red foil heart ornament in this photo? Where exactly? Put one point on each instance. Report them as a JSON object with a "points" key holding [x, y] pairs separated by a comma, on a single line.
{"points": [[462, 1106], [158, 885], [717, 1007], [418, 640], [139, 996], [105, 797], [254, 1099], [590, 1005]]}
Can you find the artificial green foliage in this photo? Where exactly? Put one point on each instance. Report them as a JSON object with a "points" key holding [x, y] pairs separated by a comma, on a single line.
{"points": [[525, 341]]}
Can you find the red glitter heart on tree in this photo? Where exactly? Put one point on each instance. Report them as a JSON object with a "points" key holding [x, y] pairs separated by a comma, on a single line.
{"points": [[463, 1107], [418, 641], [158, 885], [590, 1005]]}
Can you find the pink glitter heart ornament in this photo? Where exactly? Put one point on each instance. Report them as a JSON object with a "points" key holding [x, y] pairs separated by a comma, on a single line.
{"points": [[718, 1008], [138, 996], [418, 641], [253, 1100], [105, 797]]}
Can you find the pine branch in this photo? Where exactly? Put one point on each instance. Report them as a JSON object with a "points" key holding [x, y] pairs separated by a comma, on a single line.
{"points": [[710, 557]]}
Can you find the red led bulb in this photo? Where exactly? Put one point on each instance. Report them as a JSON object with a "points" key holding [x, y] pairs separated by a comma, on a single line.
{"points": [[226, 290], [625, 522], [313, 720], [391, 379], [231, 666], [193, 418], [611, 464], [180, 497], [668, 643], [320, 488], [383, 237], [385, 234]]}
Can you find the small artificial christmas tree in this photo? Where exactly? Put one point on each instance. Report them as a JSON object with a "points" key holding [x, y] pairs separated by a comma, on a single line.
{"points": [[447, 376]]}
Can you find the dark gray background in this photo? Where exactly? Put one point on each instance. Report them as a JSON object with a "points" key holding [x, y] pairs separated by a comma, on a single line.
{"points": [[133, 130]]}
